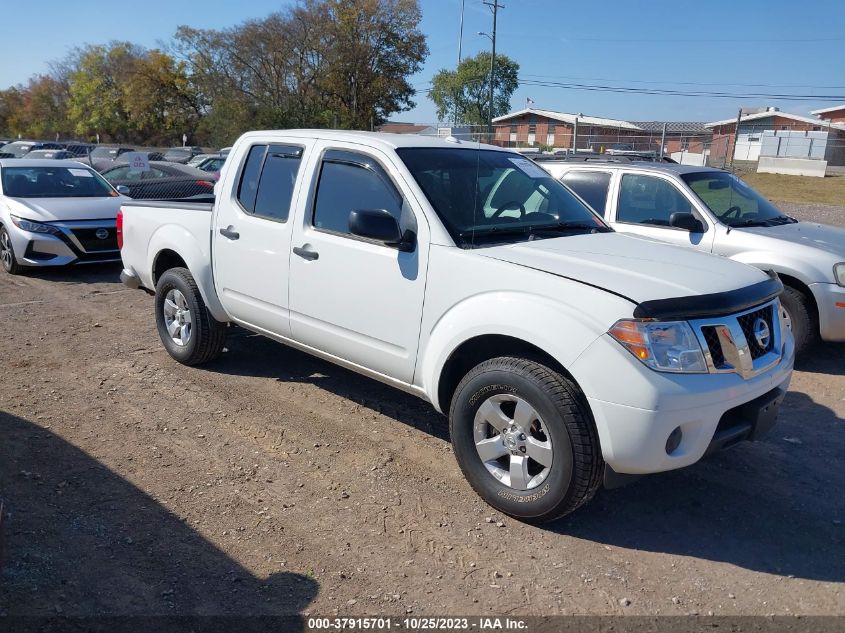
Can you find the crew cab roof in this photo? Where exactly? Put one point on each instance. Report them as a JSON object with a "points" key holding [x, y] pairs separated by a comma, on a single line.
{"points": [[671, 168], [383, 140]]}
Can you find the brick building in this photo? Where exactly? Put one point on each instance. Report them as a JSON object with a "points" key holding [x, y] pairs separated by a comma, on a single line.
{"points": [[835, 114], [532, 127], [745, 143]]}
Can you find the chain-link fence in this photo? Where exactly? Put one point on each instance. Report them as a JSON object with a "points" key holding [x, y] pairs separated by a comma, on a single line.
{"points": [[167, 173]]}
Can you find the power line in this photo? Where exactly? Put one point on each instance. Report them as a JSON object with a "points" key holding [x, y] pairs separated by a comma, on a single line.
{"points": [[684, 83], [680, 93]]}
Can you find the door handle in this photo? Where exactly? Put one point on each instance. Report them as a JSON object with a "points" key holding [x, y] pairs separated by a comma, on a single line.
{"points": [[230, 233], [305, 252]]}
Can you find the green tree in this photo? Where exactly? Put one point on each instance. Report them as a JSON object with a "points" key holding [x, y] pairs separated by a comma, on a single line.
{"points": [[374, 47], [466, 90], [97, 91]]}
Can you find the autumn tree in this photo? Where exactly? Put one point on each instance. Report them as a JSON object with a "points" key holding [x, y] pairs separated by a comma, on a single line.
{"points": [[465, 92]]}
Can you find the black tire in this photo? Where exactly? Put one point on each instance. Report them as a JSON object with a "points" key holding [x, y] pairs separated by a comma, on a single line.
{"points": [[207, 335], [576, 467], [803, 317], [9, 261]]}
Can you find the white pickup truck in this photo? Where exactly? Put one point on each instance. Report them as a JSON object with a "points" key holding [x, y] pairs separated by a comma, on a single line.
{"points": [[562, 351]]}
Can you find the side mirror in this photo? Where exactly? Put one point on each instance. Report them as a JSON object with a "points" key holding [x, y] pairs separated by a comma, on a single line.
{"points": [[687, 222], [380, 225], [123, 190]]}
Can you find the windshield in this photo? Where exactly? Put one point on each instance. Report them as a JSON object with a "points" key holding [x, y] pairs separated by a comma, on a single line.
{"points": [[18, 150], [732, 201], [105, 152], [54, 182], [484, 196]]}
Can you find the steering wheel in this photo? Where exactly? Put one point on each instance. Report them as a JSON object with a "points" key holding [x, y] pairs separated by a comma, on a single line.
{"points": [[733, 212], [512, 204]]}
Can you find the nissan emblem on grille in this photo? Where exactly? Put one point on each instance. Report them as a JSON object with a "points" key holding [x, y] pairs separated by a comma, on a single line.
{"points": [[762, 333], [102, 233]]}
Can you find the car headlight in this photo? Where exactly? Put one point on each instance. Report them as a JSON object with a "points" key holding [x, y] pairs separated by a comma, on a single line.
{"points": [[839, 273], [662, 345], [34, 227]]}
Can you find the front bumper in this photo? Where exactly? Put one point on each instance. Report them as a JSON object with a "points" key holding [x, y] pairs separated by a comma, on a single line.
{"points": [[76, 243], [636, 409], [830, 299]]}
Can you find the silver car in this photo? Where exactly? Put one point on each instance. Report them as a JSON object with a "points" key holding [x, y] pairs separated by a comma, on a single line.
{"points": [[54, 213], [714, 211]]}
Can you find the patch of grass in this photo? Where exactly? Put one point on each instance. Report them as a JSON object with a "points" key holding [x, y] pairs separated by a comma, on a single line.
{"points": [[778, 187]]}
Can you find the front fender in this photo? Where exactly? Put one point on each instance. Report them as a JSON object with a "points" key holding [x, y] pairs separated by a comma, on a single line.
{"points": [[197, 257], [558, 329], [783, 264]]}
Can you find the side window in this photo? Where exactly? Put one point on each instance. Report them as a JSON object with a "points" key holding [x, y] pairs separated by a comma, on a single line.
{"points": [[592, 186], [349, 182], [120, 173], [248, 187], [649, 200], [268, 179]]}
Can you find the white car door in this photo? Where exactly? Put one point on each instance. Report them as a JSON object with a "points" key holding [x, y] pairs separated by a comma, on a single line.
{"points": [[252, 234], [644, 204], [354, 298]]}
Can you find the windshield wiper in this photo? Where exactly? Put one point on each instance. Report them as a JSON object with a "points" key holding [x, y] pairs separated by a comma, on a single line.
{"points": [[530, 231], [775, 221]]}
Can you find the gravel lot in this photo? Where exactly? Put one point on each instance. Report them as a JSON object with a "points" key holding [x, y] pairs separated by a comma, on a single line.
{"points": [[272, 482]]}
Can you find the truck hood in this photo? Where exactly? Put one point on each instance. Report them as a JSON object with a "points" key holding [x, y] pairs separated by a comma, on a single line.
{"points": [[65, 209], [636, 268], [830, 239]]}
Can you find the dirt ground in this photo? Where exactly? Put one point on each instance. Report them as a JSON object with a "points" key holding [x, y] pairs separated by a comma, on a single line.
{"points": [[270, 482]]}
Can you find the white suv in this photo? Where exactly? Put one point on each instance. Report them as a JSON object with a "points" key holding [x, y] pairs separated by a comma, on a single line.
{"points": [[714, 211]]}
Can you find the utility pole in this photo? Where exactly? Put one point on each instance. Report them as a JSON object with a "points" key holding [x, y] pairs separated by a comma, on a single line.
{"points": [[494, 7]]}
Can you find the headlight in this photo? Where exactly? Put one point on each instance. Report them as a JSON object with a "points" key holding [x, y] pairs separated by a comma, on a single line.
{"points": [[839, 273], [34, 227], [662, 345]]}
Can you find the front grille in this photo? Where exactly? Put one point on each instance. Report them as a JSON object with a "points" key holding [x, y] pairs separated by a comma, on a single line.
{"points": [[731, 341], [87, 237], [711, 337], [748, 323]]}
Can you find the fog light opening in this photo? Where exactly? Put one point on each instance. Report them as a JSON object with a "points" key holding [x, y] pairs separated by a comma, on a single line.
{"points": [[674, 440]]}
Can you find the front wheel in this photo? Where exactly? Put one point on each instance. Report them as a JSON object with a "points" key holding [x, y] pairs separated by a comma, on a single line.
{"points": [[7, 253], [189, 333], [798, 316], [525, 440]]}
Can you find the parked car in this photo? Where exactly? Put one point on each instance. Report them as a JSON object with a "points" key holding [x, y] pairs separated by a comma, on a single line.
{"points": [[560, 349], [163, 181], [54, 154], [714, 211], [151, 156], [102, 157], [80, 150], [19, 149], [181, 154], [212, 164], [55, 212]]}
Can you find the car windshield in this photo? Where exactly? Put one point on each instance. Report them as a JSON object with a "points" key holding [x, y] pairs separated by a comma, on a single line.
{"points": [[485, 196], [54, 182], [18, 149], [104, 152], [732, 201]]}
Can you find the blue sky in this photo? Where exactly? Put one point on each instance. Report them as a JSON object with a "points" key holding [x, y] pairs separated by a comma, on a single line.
{"points": [[712, 45]]}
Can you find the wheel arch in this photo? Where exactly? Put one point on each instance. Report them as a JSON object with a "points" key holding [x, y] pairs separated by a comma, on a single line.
{"points": [[478, 349], [171, 246]]}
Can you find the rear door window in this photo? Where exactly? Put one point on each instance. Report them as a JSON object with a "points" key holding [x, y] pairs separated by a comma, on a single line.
{"points": [[268, 179], [592, 186]]}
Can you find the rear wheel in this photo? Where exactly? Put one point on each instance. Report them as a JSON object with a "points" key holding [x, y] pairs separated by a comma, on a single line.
{"points": [[189, 333], [7, 253], [524, 438], [798, 316]]}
